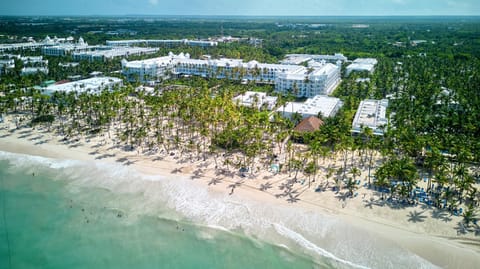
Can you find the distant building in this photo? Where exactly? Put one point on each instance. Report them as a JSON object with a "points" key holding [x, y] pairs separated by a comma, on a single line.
{"points": [[110, 53], [371, 114], [92, 85], [66, 48], [302, 58], [362, 64], [33, 65], [326, 106], [161, 42]]}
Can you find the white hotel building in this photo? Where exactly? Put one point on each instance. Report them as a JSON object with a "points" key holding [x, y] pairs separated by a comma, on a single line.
{"points": [[318, 78], [372, 114]]}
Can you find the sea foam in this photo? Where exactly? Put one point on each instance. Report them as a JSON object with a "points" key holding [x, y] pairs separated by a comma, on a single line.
{"points": [[177, 197]]}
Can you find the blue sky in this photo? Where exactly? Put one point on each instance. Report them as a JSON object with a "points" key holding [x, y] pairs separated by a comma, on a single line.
{"points": [[241, 7]]}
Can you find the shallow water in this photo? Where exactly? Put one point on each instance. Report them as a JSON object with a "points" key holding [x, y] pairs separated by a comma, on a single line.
{"points": [[73, 214]]}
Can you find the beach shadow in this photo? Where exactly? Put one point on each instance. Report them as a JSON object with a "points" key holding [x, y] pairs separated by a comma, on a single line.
{"points": [[36, 138], [95, 152], [158, 158], [197, 174], [293, 198], [414, 216], [5, 135], [441, 215], [42, 142], [342, 196], [122, 160], [75, 145], [461, 228], [129, 162], [25, 136], [96, 146], [103, 156], [214, 181], [25, 132], [266, 186], [372, 202], [176, 171]]}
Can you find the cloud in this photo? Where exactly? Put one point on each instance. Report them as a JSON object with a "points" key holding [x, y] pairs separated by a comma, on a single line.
{"points": [[153, 2]]}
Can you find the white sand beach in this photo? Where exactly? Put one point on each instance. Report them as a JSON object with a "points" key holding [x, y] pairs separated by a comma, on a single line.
{"points": [[429, 233]]}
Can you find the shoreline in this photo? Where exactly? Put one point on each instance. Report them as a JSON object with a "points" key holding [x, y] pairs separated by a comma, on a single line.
{"points": [[365, 211]]}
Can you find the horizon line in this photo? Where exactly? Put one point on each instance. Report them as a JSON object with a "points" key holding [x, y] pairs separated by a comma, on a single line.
{"points": [[230, 15]]}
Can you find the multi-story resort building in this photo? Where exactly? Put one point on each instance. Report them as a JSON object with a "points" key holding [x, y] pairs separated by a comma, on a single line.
{"points": [[92, 85], [371, 114], [64, 49], [319, 105], [33, 64], [298, 80], [161, 43], [106, 53]]}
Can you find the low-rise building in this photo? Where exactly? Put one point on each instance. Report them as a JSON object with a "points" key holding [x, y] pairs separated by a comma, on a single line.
{"points": [[372, 114], [362, 64], [92, 85], [320, 105], [301, 58], [256, 99]]}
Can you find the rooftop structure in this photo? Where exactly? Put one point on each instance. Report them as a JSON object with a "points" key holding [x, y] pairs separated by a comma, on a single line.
{"points": [[372, 114], [301, 58], [32, 45], [63, 49], [256, 99], [319, 78], [310, 124], [101, 55], [33, 70], [362, 64], [161, 42], [326, 106], [94, 85]]}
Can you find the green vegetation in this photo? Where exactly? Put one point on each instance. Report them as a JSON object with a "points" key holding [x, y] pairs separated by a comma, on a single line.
{"points": [[433, 135]]}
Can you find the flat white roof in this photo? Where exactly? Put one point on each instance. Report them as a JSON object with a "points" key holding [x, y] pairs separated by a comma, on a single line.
{"points": [[84, 84], [371, 113], [326, 105]]}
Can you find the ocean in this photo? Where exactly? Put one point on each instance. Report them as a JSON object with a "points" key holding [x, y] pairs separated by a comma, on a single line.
{"points": [[76, 214]]}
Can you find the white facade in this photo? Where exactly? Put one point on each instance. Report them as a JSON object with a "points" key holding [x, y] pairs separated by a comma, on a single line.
{"points": [[319, 78], [33, 70], [161, 42], [372, 114], [63, 49], [101, 55], [301, 58], [362, 64], [256, 99], [93, 85], [321, 104]]}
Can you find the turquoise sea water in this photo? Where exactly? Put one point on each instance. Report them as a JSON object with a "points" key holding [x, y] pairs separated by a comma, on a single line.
{"points": [[72, 214]]}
